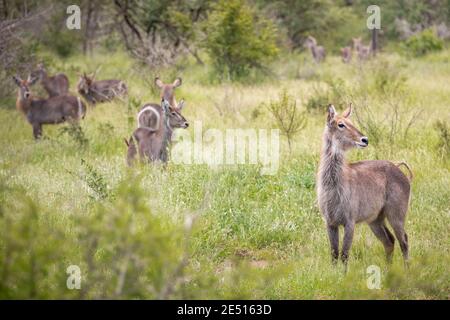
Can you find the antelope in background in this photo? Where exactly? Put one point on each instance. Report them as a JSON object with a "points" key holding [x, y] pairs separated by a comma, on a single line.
{"points": [[318, 52], [57, 85], [53, 110], [167, 90], [100, 91], [152, 143], [151, 117], [346, 54], [362, 50], [366, 191]]}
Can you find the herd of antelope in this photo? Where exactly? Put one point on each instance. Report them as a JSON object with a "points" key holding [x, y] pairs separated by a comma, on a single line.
{"points": [[318, 52], [60, 106], [348, 193]]}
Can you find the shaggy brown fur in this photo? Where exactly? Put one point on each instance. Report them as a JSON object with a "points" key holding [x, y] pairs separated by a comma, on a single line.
{"points": [[100, 91], [152, 143], [365, 191], [39, 111], [318, 52], [57, 85], [168, 90]]}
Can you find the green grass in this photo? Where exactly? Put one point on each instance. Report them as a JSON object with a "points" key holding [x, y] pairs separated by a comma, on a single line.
{"points": [[255, 236]]}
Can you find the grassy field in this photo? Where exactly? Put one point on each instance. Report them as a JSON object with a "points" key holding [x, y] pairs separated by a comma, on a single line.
{"points": [[70, 199]]}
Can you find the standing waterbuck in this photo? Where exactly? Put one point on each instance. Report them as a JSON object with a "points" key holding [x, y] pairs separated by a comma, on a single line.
{"points": [[346, 54], [100, 91], [57, 85], [362, 50], [152, 143], [318, 52], [150, 114], [39, 111], [167, 90], [365, 191]]}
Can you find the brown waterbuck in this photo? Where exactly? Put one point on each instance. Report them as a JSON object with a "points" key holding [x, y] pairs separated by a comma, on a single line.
{"points": [[39, 111], [346, 54], [362, 50], [151, 115], [57, 85], [152, 143], [100, 91], [147, 117], [365, 191], [318, 52], [167, 90]]}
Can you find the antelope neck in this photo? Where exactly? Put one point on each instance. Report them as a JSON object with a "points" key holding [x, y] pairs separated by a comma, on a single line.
{"points": [[332, 163]]}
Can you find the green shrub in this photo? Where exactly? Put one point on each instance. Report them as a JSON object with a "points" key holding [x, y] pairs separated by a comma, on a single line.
{"points": [[75, 131], [123, 249], [334, 92], [443, 129], [237, 40], [287, 117], [423, 43]]}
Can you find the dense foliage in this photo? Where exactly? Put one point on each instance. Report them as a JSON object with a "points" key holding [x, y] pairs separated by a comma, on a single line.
{"points": [[237, 40]]}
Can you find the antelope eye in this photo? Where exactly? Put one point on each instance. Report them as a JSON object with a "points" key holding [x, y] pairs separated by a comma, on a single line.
{"points": [[341, 125], [174, 114]]}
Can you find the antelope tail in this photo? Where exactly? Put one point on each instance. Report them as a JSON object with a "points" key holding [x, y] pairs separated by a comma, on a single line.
{"points": [[407, 167]]}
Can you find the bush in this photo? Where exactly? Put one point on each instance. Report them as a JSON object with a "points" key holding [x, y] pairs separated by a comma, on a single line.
{"points": [[75, 131], [443, 129], [422, 43], [287, 116], [237, 41], [334, 93], [123, 249]]}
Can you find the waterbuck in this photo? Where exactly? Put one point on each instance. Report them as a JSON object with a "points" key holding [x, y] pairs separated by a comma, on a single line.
{"points": [[57, 85], [100, 91], [167, 90], [346, 54], [362, 50], [152, 143], [39, 111], [318, 52], [365, 191], [151, 115]]}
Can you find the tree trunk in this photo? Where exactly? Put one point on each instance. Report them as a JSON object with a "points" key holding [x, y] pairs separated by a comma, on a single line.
{"points": [[87, 26], [374, 41]]}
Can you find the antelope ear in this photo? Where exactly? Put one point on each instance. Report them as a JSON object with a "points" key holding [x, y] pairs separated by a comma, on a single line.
{"points": [[177, 82], [17, 80], [347, 113], [331, 113], [159, 83], [31, 80], [180, 105]]}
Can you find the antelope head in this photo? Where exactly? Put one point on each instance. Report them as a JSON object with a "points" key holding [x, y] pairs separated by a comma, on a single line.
{"points": [[341, 131], [24, 92], [173, 115], [168, 90]]}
